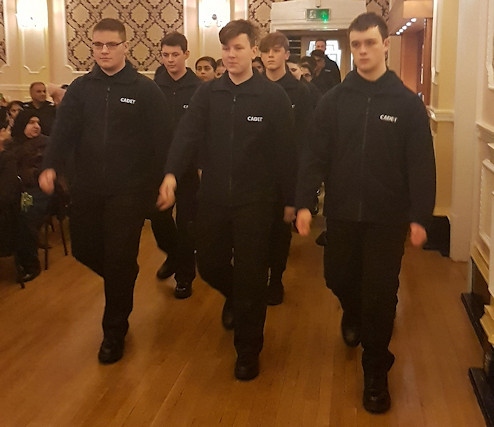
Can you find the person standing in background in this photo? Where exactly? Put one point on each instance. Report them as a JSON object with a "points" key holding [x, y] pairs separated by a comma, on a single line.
{"points": [[175, 237]]}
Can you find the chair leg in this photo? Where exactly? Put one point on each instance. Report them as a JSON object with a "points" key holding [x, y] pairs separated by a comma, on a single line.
{"points": [[46, 246], [62, 234]]}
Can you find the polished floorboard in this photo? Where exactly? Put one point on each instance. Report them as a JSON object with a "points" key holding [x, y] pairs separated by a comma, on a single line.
{"points": [[178, 365]]}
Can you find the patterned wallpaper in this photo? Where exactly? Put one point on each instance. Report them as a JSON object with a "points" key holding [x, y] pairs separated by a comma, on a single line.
{"points": [[3, 56], [378, 6], [146, 22], [259, 11]]}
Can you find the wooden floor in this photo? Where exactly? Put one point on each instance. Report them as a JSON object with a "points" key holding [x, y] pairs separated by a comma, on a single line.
{"points": [[178, 366]]}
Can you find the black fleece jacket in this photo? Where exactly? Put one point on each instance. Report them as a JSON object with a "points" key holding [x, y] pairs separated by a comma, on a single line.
{"points": [[243, 134], [372, 146], [177, 92], [118, 129]]}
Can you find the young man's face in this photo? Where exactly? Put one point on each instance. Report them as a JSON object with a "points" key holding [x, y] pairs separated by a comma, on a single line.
{"points": [[320, 64], [109, 51], [237, 55], [174, 58], [274, 58], [205, 71], [321, 45], [369, 51], [294, 69], [306, 74], [38, 93], [33, 128]]}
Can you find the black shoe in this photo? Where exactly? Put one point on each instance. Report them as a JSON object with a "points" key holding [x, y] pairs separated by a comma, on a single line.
{"points": [[247, 367], [183, 290], [26, 275], [111, 350], [350, 330], [322, 240], [227, 314], [276, 292], [167, 269], [376, 394]]}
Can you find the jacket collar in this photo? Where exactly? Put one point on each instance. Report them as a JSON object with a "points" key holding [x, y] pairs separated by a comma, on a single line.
{"points": [[188, 79], [127, 74], [254, 85], [384, 84]]}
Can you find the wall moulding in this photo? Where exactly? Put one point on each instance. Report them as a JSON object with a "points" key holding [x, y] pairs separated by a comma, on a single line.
{"points": [[485, 132], [440, 115], [489, 57]]}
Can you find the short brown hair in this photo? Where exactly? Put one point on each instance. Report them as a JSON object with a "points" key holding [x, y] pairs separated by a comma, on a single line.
{"points": [[369, 20], [237, 27], [277, 38], [110, 24], [175, 39]]}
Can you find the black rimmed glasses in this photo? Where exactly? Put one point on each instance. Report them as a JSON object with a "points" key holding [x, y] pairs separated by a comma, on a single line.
{"points": [[109, 45]]}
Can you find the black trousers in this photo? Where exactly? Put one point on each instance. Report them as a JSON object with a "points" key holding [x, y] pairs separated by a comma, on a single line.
{"points": [[279, 245], [232, 256], [105, 234], [176, 237], [361, 266]]}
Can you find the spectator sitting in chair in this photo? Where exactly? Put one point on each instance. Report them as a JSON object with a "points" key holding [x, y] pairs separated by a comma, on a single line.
{"points": [[9, 190], [28, 146]]}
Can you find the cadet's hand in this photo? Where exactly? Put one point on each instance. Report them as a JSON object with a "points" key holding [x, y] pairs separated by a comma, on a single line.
{"points": [[418, 235], [166, 196], [289, 214], [304, 218], [47, 180]]}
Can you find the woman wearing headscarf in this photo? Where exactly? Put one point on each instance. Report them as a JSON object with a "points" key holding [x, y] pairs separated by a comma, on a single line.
{"points": [[28, 147]]}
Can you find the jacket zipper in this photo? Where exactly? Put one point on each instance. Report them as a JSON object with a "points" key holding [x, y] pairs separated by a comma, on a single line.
{"points": [[232, 136], [105, 133], [362, 158]]}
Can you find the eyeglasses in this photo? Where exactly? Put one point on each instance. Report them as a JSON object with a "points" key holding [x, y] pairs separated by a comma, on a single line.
{"points": [[109, 45]]}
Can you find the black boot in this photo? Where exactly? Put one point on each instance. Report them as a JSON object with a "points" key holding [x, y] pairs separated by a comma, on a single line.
{"points": [[376, 397]]}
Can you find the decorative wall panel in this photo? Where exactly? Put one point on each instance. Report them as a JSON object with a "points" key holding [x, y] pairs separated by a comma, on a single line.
{"points": [[3, 54], [146, 22], [260, 13], [378, 6]]}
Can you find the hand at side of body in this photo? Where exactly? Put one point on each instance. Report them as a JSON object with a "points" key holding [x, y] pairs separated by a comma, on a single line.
{"points": [[47, 180], [418, 235], [166, 196], [304, 219], [289, 214]]}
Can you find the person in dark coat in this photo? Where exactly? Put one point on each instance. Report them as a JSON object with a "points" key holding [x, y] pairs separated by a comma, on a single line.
{"points": [[29, 146], [9, 190], [274, 53], [241, 124], [373, 148], [174, 236], [113, 125], [45, 110]]}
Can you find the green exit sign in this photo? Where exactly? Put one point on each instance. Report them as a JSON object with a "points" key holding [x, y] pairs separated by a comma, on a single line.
{"points": [[317, 15]]}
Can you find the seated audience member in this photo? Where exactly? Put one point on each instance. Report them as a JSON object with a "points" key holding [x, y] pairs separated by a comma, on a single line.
{"points": [[45, 110], [220, 68], [28, 146], [258, 65], [13, 109], [9, 190], [206, 68]]}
